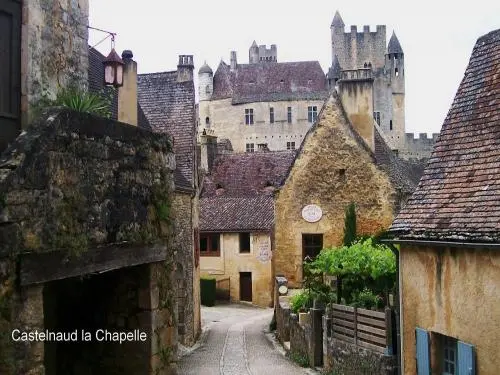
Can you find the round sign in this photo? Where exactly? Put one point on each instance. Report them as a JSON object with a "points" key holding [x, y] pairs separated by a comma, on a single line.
{"points": [[312, 213], [283, 289]]}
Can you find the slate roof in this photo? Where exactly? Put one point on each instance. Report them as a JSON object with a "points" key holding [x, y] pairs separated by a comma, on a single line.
{"points": [[170, 107], [270, 81], [337, 20], [96, 85], [237, 195], [458, 197], [226, 214], [394, 46]]}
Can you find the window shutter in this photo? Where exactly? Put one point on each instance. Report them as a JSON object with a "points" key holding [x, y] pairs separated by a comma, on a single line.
{"points": [[423, 352], [466, 359]]}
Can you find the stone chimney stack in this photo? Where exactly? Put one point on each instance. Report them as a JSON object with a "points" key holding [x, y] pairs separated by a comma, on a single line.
{"points": [[208, 151], [185, 68], [234, 61], [127, 94]]}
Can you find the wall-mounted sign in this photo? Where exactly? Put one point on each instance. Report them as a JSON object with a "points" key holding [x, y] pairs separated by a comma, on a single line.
{"points": [[312, 213], [264, 253]]}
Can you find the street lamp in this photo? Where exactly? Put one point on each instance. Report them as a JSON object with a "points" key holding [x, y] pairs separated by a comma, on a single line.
{"points": [[113, 69]]}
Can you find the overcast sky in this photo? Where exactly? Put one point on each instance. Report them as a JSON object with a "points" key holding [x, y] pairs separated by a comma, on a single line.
{"points": [[437, 37]]}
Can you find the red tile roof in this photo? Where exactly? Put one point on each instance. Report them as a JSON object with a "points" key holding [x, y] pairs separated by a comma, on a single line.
{"points": [[458, 196]]}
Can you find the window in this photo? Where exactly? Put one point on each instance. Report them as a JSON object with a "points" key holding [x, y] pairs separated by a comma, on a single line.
{"points": [[271, 115], [210, 244], [207, 121], [440, 354], [249, 147], [249, 116], [207, 89], [396, 72], [244, 242], [312, 244], [312, 113], [290, 145], [376, 117], [289, 114]]}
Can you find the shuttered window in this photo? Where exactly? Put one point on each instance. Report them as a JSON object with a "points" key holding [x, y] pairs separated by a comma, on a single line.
{"points": [[423, 352], [466, 359]]}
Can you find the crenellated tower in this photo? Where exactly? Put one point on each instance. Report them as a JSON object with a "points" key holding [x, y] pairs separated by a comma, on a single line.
{"points": [[366, 49]]}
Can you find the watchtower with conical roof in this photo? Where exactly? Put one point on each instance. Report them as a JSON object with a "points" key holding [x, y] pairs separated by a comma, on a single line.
{"points": [[355, 50]]}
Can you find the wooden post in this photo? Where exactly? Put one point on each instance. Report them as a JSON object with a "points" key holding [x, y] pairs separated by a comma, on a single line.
{"points": [[388, 331], [356, 326]]}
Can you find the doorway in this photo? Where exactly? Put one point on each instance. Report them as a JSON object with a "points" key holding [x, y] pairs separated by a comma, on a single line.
{"points": [[246, 286]]}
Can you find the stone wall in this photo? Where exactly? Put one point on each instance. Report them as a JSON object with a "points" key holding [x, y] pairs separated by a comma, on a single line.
{"points": [[54, 49], [418, 148], [228, 121], [347, 359], [445, 291], [74, 182], [333, 169]]}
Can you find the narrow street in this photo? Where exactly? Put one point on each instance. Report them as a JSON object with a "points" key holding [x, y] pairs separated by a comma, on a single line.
{"points": [[235, 344]]}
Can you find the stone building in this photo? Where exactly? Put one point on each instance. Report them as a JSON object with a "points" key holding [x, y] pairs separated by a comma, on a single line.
{"points": [[449, 234], [237, 219], [264, 101], [340, 161], [168, 102], [50, 58], [353, 51]]}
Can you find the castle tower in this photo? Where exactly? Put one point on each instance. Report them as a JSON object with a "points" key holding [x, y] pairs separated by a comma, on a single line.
{"points": [[394, 67], [253, 53], [205, 90]]}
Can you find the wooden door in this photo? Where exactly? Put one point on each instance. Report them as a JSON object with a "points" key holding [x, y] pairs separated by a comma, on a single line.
{"points": [[246, 286], [10, 71]]}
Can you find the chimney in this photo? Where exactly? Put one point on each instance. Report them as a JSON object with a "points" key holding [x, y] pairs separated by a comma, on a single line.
{"points": [[127, 94], [208, 151], [185, 68], [234, 61]]}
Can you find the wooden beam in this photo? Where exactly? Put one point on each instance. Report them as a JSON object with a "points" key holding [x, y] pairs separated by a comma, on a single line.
{"points": [[35, 268]]}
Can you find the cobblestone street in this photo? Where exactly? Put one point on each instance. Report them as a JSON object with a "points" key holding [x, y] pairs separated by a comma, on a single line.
{"points": [[234, 343]]}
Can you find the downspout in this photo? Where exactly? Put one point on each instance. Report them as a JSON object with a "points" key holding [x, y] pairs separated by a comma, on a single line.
{"points": [[397, 311]]}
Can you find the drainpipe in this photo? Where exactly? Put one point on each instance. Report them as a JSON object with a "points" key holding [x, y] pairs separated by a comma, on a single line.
{"points": [[397, 308]]}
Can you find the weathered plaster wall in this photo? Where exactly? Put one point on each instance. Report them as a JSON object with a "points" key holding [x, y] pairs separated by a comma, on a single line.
{"points": [[453, 292], [332, 170], [228, 121], [231, 262], [72, 182], [54, 48]]}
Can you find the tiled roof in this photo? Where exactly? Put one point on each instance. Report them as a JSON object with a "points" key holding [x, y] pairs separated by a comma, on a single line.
{"points": [[96, 85], [458, 197], [270, 81], [225, 214], [247, 174], [170, 107], [404, 174], [394, 46], [238, 192]]}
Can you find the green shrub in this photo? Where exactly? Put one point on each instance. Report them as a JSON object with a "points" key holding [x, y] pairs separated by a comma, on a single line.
{"points": [[301, 301], [367, 299], [300, 359], [207, 291]]}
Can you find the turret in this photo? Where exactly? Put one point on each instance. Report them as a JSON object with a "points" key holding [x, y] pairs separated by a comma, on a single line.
{"points": [[206, 82], [253, 53], [337, 22], [394, 64]]}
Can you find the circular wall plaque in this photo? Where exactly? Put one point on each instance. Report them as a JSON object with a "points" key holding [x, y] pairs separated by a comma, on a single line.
{"points": [[312, 213], [283, 289]]}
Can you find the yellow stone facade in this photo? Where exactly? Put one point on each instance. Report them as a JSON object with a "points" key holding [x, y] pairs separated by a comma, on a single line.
{"points": [[335, 167], [453, 292], [231, 262], [228, 121]]}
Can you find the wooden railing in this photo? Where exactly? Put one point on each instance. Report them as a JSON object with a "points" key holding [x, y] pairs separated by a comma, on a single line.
{"points": [[364, 328]]}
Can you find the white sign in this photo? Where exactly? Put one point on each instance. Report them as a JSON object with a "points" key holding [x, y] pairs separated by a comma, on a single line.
{"points": [[312, 213], [264, 253]]}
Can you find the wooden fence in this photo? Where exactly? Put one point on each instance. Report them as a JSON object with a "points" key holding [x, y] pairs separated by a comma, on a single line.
{"points": [[223, 289], [364, 328]]}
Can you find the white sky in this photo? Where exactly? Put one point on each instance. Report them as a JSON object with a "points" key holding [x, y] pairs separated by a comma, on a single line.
{"points": [[437, 37]]}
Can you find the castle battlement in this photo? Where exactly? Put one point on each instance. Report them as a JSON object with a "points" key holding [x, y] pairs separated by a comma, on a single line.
{"points": [[418, 147], [353, 29], [422, 137], [362, 74]]}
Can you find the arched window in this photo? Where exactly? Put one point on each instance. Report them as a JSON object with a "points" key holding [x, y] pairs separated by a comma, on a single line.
{"points": [[207, 120], [396, 71]]}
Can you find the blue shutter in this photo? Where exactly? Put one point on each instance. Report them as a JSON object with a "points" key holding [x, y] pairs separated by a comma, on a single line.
{"points": [[423, 352], [466, 359]]}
